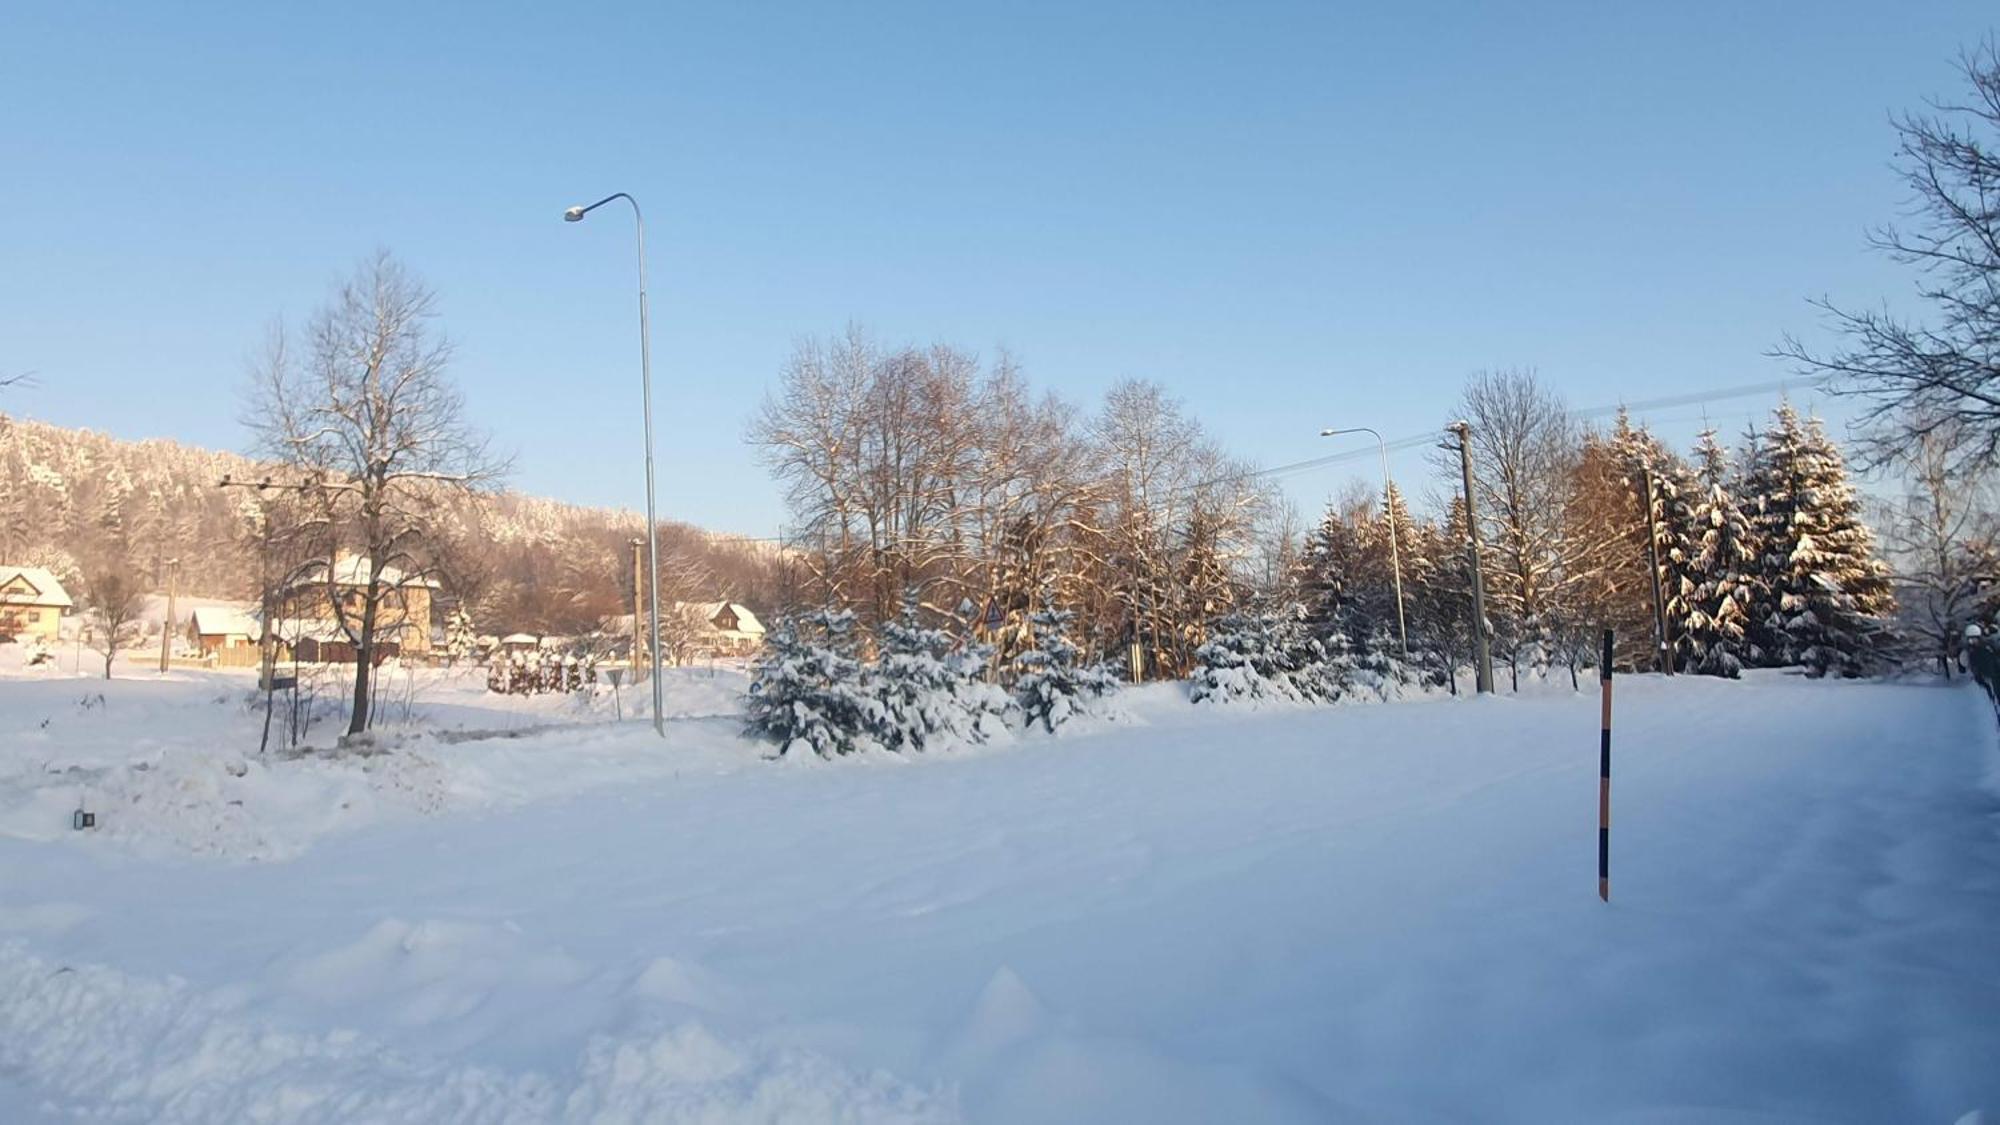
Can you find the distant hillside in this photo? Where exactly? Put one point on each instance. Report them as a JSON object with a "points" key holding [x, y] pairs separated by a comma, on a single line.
{"points": [[75, 500]]}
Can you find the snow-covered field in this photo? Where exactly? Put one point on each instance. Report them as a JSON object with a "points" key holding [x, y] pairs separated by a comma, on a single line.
{"points": [[524, 911]]}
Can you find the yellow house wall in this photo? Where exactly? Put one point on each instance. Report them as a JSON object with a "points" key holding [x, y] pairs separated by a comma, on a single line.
{"points": [[30, 621]]}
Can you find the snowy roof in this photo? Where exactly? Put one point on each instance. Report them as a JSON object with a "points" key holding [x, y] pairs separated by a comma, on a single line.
{"points": [[520, 639], [353, 570], [42, 587], [224, 621], [746, 622]]}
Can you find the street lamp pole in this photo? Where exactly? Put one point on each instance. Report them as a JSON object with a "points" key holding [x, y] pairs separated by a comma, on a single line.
{"points": [[1389, 516], [576, 214]]}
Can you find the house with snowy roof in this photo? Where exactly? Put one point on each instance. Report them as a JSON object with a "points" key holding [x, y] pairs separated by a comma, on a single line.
{"points": [[736, 630], [319, 612], [228, 635], [707, 629], [32, 603]]}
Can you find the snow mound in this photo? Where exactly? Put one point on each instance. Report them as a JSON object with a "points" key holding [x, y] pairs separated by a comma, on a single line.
{"points": [[160, 1051], [219, 804]]}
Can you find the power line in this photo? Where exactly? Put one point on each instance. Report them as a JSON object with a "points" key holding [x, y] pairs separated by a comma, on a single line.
{"points": [[1721, 394]]}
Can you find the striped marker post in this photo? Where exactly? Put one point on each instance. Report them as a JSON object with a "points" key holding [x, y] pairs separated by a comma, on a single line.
{"points": [[1604, 778]]}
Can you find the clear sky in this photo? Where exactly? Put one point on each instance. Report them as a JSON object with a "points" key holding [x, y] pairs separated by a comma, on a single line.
{"points": [[1290, 215]]}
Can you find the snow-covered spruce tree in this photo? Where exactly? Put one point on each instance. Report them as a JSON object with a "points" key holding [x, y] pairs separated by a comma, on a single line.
{"points": [[1240, 661], [460, 641], [1662, 493], [809, 691], [1826, 594], [1723, 569], [1327, 571], [1267, 655], [1053, 686], [931, 686]]}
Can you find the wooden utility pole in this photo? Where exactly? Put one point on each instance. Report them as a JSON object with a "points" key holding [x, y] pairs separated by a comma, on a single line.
{"points": [[1482, 649], [167, 626], [1663, 661]]}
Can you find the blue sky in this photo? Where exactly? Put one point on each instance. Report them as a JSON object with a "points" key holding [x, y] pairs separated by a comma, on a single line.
{"points": [[1290, 215]]}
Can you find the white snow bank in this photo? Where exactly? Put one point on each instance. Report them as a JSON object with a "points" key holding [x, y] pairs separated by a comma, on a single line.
{"points": [[169, 764], [161, 1051]]}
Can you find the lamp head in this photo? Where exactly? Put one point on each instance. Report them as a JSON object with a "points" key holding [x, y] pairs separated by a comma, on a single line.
{"points": [[1328, 433], [573, 215]]}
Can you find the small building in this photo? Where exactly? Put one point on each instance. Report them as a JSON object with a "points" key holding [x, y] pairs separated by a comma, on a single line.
{"points": [[693, 631], [320, 610], [32, 603], [736, 630], [523, 643], [225, 635]]}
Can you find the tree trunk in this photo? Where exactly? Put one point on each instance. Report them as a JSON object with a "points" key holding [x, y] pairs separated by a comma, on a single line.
{"points": [[364, 658], [109, 655]]}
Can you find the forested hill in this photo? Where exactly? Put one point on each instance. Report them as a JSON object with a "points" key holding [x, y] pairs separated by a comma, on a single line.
{"points": [[77, 501]]}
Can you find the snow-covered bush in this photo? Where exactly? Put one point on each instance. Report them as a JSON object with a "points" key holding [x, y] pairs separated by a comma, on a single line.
{"points": [[1266, 655], [809, 691], [1053, 686], [931, 685]]}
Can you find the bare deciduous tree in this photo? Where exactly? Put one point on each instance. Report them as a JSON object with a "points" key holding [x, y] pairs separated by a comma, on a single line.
{"points": [[115, 597], [368, 411], [1524, 448], [1943, 539], [1919, 377]]}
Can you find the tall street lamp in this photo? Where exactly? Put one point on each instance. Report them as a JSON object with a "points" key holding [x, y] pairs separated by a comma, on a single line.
{"points": [[1389, 516], [574, 215]]}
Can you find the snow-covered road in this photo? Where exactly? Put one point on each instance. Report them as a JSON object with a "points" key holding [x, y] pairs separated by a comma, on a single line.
{"points": [[1368, 913]]}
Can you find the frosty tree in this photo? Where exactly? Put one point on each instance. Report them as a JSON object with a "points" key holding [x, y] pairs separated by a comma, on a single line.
{"points": [[809, 690], [1826, 594], [366, 412], [460, 641], [1918, 375], [1265, 655], [1662, 495], [930, 684], [1053, 685], [1944, 540], [114, 597], [1723, 568]]}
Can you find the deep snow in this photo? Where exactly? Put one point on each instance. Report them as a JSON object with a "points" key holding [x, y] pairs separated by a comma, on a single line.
{"points": [[1192, 914]]}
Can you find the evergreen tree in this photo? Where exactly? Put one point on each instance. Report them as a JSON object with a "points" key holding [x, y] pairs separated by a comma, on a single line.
{"points": [[810, 691], [460, 640], [1267, 655], [111, 503], [1723, 570], [1662, 534], [1825, 593], [1053, 686], [1205, 587], [930, 684], [1371, 640], [1441, 622], [1328, 569], [1391, 547]]}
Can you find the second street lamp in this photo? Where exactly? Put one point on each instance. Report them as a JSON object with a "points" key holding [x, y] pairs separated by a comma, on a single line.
{"points": [[1389, 517], [573, 215]]}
